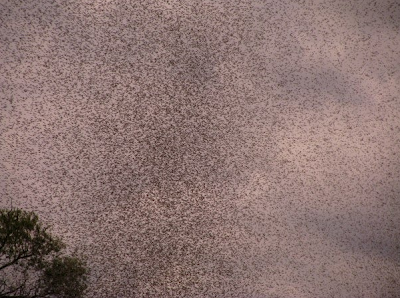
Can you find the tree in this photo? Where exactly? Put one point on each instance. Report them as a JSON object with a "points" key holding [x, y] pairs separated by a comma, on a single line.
{"points": [[32, 262]]}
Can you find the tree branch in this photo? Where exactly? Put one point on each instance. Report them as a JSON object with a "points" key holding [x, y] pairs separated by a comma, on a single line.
{"points": [[12, 291], [20, 257]]}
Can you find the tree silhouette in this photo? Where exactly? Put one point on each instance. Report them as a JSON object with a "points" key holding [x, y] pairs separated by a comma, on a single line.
{"points": [[32, 263]]}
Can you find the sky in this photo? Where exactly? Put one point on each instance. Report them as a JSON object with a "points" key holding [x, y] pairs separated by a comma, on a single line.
{"points": [[209, 148]]}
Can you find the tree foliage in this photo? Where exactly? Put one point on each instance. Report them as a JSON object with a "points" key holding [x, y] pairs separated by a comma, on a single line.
{"points": [[32, 262]]}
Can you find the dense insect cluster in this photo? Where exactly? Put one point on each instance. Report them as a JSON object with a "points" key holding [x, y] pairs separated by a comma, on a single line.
{"points": [[208, 148]]}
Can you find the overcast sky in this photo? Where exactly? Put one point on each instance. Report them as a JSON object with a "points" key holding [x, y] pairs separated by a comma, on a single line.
{"points": [[209, 148]]}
